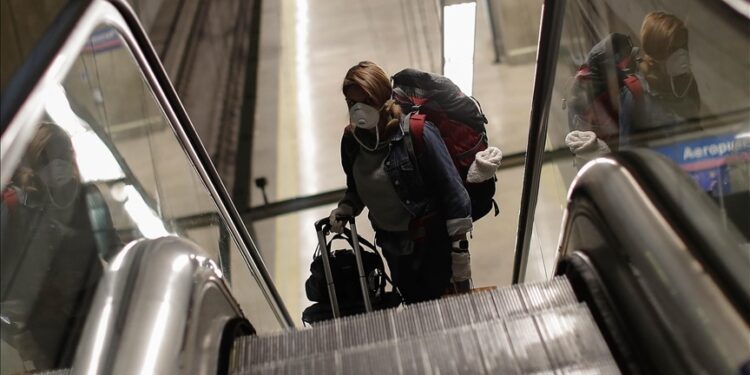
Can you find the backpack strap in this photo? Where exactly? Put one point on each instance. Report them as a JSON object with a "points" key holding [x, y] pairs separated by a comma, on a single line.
{"points": [[634, 85], [416, 128], [10, 198]]}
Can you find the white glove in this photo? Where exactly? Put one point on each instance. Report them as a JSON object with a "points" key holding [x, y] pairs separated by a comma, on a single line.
{"points": [[485, 164], [585, 146], [342, 210]]}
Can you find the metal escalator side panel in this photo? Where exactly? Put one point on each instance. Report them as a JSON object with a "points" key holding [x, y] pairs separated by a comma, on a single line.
{"points": [[670, 305], [160, 308], [585, 278], [711, 238]]}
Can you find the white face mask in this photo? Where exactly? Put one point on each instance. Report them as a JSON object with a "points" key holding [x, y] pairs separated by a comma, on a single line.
{"points": [[57, 173], [364, 116], [677, 64]]}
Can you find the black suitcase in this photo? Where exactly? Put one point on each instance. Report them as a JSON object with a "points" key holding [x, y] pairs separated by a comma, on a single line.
{"points": [[335, 301]]}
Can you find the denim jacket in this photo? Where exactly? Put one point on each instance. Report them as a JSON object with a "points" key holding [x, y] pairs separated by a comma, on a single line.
{"points": [[430, 183]]}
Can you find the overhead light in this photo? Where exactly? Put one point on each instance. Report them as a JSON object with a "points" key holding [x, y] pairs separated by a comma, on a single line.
{"points": [[459, 24]]}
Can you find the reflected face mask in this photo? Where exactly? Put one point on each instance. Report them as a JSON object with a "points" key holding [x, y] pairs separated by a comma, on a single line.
{"points": [[677, 64], [57, 173]]}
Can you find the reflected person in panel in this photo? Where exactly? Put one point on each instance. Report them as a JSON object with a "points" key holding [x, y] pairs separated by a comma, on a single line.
{"points": [[421, 213], [669, 94], [653, 85], [50, 262]]}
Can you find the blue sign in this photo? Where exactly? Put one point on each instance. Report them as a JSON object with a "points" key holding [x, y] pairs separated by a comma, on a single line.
{"points": [[705, 159]]}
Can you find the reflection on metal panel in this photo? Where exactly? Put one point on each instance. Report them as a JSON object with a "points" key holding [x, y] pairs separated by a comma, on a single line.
{"points": [[150, 313]]}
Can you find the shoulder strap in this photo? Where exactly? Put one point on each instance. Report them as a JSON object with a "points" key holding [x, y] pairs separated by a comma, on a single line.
{"points": [[10, 197], [416, 128], [414, 141], [635, 86]]}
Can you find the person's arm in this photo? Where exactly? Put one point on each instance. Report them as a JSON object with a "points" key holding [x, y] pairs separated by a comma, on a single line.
{"points": [[349, 148], [454, 202], [441, 174]]}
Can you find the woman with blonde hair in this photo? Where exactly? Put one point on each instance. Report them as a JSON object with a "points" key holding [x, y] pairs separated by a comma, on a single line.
{"points": [[49, 260], [420, 209], [669, 92]]}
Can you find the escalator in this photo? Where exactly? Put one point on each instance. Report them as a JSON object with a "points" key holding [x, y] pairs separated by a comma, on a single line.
{"points": [[622, 303], [642, 284], [530, 328]]}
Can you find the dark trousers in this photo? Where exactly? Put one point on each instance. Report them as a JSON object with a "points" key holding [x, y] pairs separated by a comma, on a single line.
{"points": [[425, 273]]}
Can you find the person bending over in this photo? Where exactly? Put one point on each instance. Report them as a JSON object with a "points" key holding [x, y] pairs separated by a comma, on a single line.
{"points": [[419, 209]]}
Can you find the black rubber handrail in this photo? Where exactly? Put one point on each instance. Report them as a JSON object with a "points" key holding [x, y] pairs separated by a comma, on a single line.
{"points": [[656, 277], [696, 218], [24, 80]]}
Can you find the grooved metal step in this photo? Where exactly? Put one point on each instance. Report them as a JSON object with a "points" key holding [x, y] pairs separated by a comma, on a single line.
{"points": [[532, 328], [413, 320], [562, 340]]}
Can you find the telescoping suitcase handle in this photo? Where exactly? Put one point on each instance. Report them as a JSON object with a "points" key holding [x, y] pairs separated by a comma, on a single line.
{"points": [[323, 227]]}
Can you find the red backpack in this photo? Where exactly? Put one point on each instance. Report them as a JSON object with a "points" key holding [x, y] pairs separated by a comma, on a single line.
{"points": [[459, 119], [594, 100]]}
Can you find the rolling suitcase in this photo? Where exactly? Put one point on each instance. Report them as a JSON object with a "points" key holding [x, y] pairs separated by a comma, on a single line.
{"points": [[370, 275]]}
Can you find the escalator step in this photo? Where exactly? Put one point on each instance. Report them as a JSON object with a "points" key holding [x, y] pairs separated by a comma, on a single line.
{"points": [[518, 345], [413, 320]]}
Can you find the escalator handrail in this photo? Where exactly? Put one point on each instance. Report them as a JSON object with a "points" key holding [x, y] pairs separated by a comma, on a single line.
{"points": [[188, 136], [698, 221], [662, 293], [159, 308], [25, 78]]}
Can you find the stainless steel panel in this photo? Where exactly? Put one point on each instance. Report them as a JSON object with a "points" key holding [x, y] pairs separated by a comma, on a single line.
{"points": [[160, 308]]}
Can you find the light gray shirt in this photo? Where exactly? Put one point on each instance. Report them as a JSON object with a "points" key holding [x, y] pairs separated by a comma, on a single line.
{"points": [[377, 192]]}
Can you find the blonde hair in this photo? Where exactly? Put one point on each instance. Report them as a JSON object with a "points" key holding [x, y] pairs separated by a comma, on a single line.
{"points": [[373, 80], [662, 33]]}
